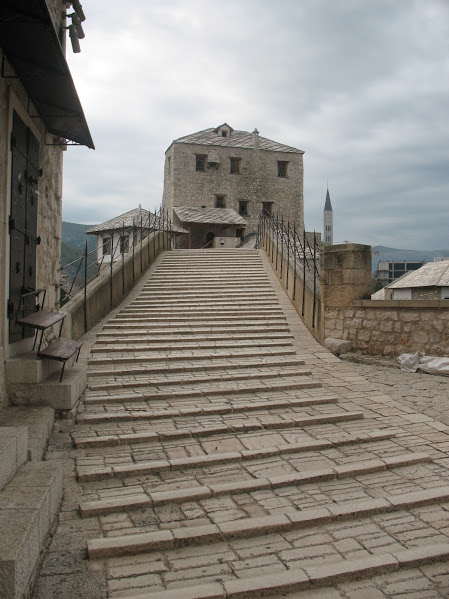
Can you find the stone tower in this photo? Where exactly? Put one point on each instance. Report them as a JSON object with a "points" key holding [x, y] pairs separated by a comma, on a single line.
{"points": [[328, 221]]}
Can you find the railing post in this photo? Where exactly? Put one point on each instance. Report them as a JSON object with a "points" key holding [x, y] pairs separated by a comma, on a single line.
{"points": [[134, 254], [282, 245], [123, 258], [288, 253], [141, 241], [112, 260], [85, 289], [303, 271], [148, 244], [159, 237], [272, 238], [294, 260], [314, 279], [154, 234], [277, 240]]}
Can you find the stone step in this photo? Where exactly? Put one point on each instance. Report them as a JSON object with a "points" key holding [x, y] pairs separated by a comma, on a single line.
{"points": [[186, 494], [230, 334], [186, 319], [169, 539], [13, 452], [226, 388], [163, 312], [150, 346], [86, 473], [38, 420], [28, 508], [154, 436], [194, 294], [307, 579], [207, 410], [206, 365], [189, 378], [277, 324], [96, 364]]}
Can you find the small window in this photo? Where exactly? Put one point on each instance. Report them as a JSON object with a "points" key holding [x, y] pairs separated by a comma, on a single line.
{"points": [[282, 168], [220, 201], [201, 162], [235, 165], [267, 208], [243, 207], [224, 134], [168, 165], [124, 244], [107, 245]]}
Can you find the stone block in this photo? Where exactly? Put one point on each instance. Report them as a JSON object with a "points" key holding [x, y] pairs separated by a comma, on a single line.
{"points": [[50, 392], [29, 368], [13, 452], [19, 551], [337, 346]]}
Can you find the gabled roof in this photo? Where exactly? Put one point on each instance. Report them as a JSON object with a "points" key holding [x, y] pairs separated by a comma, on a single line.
{"points": [[328, 205], [127, 220], [237, 139], [432, 274], [211, 216]]}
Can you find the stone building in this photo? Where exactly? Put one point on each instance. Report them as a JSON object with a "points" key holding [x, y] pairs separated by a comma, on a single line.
{"points": [[40, 114], [430, 282], [118, 235], [242, 172]]}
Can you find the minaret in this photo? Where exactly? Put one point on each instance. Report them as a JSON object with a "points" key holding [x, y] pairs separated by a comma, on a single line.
{"points": [[328, 221]]}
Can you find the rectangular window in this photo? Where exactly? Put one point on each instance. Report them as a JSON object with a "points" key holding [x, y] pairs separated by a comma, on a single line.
{"points": [[168, 165], [201, 162], [124, 244], [235, 165], [282, 168], [220, 201], [107, 245], [243, 207], [267, 208], [224, 134]]}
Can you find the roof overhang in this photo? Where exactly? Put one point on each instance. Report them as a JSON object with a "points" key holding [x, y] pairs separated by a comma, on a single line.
{"points": [[31, 45]]}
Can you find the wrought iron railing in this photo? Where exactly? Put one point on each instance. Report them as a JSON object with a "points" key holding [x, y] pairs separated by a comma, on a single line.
{"points": [[300, 251], [76, 275]]}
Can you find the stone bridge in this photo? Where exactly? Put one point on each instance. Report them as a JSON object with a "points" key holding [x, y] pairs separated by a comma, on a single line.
{"points": [[221, 452]]}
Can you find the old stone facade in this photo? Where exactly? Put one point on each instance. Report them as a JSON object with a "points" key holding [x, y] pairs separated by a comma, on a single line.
{"points": [[26, 122], [224, 168]]}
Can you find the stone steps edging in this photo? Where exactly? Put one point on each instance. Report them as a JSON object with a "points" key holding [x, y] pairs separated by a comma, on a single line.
{"points": [[169, 539], [148, 437]]}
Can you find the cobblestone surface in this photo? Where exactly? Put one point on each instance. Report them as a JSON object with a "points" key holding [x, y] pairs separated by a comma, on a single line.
{"points": [[230, 483]]}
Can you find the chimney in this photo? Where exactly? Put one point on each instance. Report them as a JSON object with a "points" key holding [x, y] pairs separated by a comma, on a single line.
{"points": [[255, 135]]}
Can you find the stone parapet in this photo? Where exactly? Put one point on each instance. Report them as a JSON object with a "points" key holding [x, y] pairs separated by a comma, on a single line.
{"points": [[345, 273], [392, 327]]}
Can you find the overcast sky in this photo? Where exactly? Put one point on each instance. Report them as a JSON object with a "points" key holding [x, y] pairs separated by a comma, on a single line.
{"points": [[361, 86]]}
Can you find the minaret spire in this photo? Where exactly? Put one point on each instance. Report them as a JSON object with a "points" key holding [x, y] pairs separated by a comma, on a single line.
{"points": [[328, 221]]}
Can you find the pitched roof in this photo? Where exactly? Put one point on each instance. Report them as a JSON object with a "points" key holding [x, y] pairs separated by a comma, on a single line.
{"points": [[432, 274], [127, 220], [328, 205], [237, 139], [212, 216]]}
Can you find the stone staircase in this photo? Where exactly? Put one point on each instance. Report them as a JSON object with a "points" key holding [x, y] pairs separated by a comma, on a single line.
{"points": [[224, 454]]}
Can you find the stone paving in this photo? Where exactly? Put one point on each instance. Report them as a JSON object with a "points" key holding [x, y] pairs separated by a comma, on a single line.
{"points": [[222, 452]]}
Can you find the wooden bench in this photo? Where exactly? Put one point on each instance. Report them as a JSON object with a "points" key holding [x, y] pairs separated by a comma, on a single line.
{"points": [[40, 320], [61, 350]]}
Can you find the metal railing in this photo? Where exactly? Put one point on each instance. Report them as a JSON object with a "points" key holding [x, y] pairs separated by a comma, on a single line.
{"points": [[300, 250], [80, 272]]}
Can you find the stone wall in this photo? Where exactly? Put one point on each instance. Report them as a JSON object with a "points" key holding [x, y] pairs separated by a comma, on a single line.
{"points": [[256, 183], [13, 97], [392, 327]]}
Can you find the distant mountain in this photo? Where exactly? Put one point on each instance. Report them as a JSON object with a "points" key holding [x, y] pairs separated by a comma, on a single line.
{"points": [[73, 247], [382, 253], [74, 234]]}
